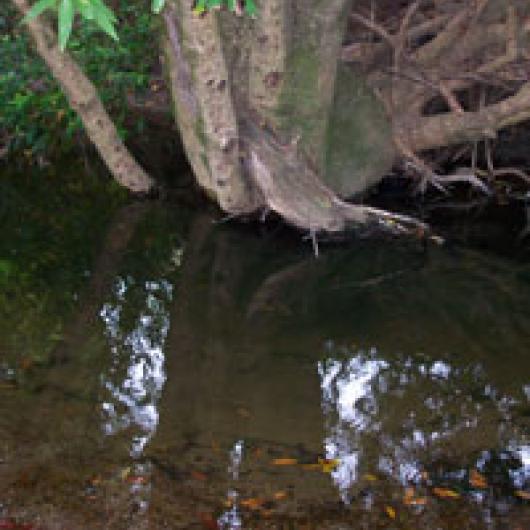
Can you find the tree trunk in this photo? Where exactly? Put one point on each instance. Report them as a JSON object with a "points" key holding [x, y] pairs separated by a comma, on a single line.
{"points": [[268, 119], [84, 99]]}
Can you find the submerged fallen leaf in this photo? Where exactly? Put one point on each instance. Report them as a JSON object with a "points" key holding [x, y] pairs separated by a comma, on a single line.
{"points": [[284, 462], [328, 466], [137, 479], [390, 512], [208, 521], [445, 493], [477, 480], [253, 503], [26, 363], [370, 477], [410, 498], [416, 501], [243, 412], [409, 493], [198, 475], [280, 495], [523, 494]]}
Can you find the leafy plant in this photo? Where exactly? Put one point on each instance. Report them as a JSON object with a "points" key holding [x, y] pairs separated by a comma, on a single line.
{"points": [[93, 10], [105, 19], [36, 121], [52, 225], [236, 6]]}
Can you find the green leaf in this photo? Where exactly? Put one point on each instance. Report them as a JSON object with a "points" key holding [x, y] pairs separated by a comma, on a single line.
{"points": [[231, 5], [200, 7], [102, 8], [5, 267], [158, 5], [66, 20], [38, 8], [86, 9], [251, 8], [105, 18]]}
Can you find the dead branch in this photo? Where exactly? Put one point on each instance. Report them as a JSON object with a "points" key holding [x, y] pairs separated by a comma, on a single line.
{"points": [[430, 132], [476, 44]]}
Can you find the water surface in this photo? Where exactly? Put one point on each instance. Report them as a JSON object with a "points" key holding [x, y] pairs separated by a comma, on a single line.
{"points": [[161, 370]]}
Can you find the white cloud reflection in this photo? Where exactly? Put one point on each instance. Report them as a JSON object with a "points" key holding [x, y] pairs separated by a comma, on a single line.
{"points": [[387, 416], [344, 385], [136, 377], [230, 519]]}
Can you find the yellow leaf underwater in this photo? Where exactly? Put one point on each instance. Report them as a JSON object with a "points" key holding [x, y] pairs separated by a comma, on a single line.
{"points": [[477, 480], [253, 503], [284, 462], [328, 466], [410, 498], [445, 493], [523, 494], [369, 477], [390, 512]]}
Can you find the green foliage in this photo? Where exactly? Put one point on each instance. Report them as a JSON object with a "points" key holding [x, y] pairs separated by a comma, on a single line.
{"points": [[6, 269], [35, 119], [105, 19], [237, 6], [157, 5], [92, 10], [52, 224]]}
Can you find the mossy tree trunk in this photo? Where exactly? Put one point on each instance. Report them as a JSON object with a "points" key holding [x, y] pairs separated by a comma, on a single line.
{"points": [[269, 120]]}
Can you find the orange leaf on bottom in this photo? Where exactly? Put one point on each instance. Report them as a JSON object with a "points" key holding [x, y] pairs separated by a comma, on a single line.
{"points": [[284, 462], [208, 521], [446, 493]]}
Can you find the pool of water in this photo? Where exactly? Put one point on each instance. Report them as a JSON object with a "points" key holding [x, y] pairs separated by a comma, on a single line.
{"points": [[166, 371]]}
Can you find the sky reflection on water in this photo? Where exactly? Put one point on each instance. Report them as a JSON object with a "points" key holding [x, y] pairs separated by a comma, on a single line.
{"points": [[373, 426], [133, 396]]}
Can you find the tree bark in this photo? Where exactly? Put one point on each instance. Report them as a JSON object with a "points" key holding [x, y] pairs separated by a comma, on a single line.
{"points": [[257, 105], [83, 98]]}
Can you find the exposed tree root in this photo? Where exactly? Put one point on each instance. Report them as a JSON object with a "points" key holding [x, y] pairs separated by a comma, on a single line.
{"points": [[292, 189], [449, 73]]}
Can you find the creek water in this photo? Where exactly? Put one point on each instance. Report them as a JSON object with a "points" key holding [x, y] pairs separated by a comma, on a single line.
{"points": [[162, 370]]}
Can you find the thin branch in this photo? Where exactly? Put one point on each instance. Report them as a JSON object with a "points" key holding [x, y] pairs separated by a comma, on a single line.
{"points": [[401, 37], [375, 27]]}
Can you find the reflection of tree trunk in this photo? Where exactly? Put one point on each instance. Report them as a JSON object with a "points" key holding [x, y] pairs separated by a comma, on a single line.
{"points": [[224, 381], [227, 381], [83, 98], [79, 332]]}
